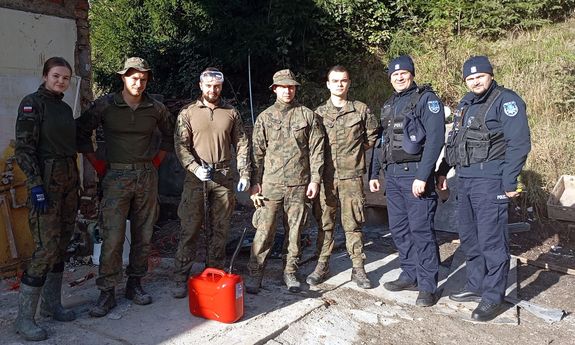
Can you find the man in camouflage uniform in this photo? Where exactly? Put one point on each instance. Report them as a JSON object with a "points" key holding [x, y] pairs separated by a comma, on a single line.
{"points": [[130, 178], [206, 131], [351, 129], [287, 161]]}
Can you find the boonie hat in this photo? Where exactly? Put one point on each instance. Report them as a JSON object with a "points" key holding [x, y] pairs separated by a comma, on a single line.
{"points": [[135, 63], [402, 62], [477, 64], [284, 77]]}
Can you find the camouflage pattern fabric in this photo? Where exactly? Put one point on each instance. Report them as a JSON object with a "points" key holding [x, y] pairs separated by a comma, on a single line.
{"points": [[128, 194], [53, 230], [350, 132], [191, 212], [45, 129], [291, 201], [287, 146], [349, 193]]}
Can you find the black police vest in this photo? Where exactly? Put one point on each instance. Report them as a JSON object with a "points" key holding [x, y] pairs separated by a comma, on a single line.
{"points": [[393, 129], [474, 143]]}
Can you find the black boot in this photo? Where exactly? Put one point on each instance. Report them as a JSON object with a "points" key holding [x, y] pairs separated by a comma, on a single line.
{"points": [[399, 285], [135, 292], [253, 282], [486, 311], [51, 299], [105, 303], [425, 299], [465, 296]]}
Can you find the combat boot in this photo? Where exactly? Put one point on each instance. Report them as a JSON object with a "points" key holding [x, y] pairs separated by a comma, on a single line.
{"points": [[292, 283], [27, 304], [319, 274], [135, 292], [359, 277], [253, 282], [51, 304], [180, 290], [105, 303]]}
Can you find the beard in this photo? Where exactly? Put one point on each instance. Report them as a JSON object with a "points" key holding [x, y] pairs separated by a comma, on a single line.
{"points": [[211, 99]]}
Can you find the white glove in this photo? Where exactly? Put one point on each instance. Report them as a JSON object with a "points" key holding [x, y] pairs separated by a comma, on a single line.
{"points": [[243, 185], [203, 173]]}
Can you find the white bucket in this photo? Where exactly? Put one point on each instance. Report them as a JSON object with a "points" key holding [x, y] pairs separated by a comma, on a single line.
{"points": [[125, 253]]}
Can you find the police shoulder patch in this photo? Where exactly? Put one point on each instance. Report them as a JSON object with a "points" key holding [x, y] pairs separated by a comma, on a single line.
{"points": [[510, 108], [27, 109], [433, 106]]}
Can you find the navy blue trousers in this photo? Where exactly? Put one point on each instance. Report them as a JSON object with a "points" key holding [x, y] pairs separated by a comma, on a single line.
{"points": [[482, 223], [411, 226]]}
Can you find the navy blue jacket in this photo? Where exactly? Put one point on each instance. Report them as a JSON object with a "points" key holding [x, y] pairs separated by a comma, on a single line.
{"points": [[508, 114], [434, 124]]}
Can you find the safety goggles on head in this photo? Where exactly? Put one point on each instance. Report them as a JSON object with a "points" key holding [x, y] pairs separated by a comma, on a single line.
{"points": [[214, 76]]}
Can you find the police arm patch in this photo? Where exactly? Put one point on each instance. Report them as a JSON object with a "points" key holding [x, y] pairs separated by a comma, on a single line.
{"points": [[510, 108], [433, 106], [27, 109]]}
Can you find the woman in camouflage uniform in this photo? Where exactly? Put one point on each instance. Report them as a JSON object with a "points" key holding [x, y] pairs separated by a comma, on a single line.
{"points": [[46, 152]]}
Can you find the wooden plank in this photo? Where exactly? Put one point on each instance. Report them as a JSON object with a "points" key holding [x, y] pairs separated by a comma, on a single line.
{"points": [[545, 265], [8, 227]]}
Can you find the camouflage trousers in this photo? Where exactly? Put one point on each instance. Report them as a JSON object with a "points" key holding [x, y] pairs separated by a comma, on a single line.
{"points": [[221, 203], [53, 229], [349, 193], [290, 200], [130, 192]]}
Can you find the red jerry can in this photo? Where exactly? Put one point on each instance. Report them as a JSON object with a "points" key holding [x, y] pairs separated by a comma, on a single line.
{"points": [[216, 295]]}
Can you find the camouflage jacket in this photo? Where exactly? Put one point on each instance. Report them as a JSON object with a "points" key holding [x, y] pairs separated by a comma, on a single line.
{"points": [[45, 130], [287, 146], [128, 133], [205, 134], [350, 132]]}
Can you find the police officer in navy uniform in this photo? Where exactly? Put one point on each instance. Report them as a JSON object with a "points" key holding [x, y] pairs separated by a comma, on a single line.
{"points": [[488, 146], [412, 138]]}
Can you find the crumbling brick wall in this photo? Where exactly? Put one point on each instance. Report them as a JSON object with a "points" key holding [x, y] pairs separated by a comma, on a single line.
{"points": [[77, 10]]}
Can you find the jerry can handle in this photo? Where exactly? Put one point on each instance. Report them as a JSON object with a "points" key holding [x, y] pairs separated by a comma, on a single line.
{"points": [[213, 271]]}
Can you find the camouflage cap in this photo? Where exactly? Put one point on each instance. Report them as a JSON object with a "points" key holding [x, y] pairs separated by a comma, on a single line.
{"points": [[135, 63], [284, 77]]}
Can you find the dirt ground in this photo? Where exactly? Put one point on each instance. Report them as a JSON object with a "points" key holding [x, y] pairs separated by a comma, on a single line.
{"points": [[357, 317], [352, 316]]}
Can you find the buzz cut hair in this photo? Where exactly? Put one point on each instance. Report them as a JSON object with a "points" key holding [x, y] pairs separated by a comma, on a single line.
{"points": [[337, 68]]}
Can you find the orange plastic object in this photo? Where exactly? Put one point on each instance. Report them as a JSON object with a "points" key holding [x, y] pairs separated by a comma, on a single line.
{"points": [[216, 295]]}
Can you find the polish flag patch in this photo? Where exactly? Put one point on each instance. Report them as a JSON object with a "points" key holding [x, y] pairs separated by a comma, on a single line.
{"points": [[27, 109]]}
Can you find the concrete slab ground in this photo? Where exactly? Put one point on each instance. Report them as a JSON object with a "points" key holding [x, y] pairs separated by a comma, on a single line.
{"points": [[309, 315]]}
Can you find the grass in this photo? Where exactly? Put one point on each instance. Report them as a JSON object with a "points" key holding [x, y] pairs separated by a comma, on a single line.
{"points": [[538, 65]]}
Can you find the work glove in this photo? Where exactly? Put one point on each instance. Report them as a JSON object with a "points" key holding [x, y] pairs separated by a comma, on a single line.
{"points": [[157, 161], [203, 173], [243, 185], [258, 200], [39, 199], [100, 167]]}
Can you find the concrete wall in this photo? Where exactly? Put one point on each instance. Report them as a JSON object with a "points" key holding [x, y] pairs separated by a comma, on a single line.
{"points": [[28, 40], [31, 31]]}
